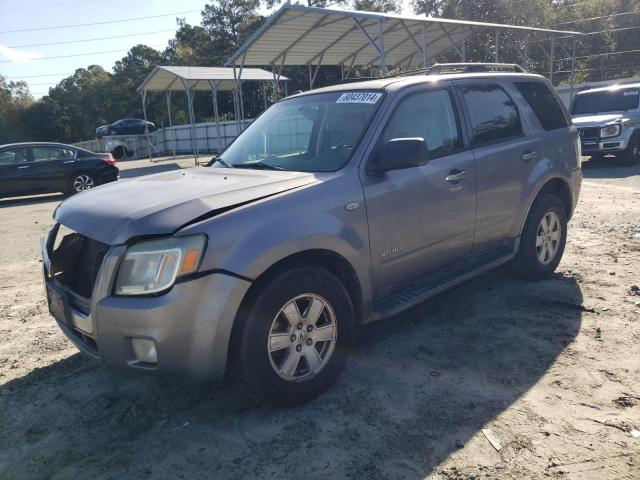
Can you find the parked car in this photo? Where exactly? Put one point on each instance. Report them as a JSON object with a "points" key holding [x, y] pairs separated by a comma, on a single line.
{"points": [[126, 126], [608, 120], [334, 208], [28, 168]]}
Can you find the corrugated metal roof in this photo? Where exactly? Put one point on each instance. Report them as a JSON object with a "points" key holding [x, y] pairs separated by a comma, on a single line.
{"points": [[299, 35], [163, 78]]}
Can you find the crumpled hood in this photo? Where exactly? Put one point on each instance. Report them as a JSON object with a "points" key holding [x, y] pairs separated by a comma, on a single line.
{"points": [[164, 202], [596, 120]]}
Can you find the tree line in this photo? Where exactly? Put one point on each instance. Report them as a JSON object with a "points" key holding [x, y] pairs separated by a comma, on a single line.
{"points": [[93, 96]]}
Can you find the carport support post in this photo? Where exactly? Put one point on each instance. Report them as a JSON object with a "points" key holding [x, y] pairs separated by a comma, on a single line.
{"points": [[573, 67], [551, 54], [216, 114], [424, 46], [189, 93], [168, 96], [146, 127], [383, 61]]}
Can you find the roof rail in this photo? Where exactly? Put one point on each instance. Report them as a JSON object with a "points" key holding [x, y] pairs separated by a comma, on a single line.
{"points": [[444, 68]]}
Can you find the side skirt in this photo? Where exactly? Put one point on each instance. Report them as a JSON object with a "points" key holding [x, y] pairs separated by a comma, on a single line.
{"points": [[414, 291]]}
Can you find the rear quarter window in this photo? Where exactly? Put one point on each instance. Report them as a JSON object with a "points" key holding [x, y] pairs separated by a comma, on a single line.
{"points": [[493, 114], [544, 104]]}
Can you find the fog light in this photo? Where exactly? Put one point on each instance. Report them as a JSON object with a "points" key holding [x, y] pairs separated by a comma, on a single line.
{"points": [[145, 350]]}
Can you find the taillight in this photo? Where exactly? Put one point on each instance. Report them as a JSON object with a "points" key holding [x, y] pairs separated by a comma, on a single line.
{"points": [[108, 158]]}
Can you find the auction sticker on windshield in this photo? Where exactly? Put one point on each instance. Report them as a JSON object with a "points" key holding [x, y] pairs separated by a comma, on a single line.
{"points": [[359, 97]]}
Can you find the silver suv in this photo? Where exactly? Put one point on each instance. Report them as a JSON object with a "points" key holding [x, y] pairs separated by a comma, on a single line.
{"points": [[336, 207], [609, 121]]}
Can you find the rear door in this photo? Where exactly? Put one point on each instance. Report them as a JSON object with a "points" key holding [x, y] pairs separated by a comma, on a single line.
{"points": [[13, 171], [505, 151], [50, 167]]}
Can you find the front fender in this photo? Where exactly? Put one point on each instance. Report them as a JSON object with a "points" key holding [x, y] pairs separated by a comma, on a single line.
{"points": [[248, 240]]}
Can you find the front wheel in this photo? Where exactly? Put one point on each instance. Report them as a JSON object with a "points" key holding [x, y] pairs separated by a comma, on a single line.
{"points": [[295, 337], [543, 239]]}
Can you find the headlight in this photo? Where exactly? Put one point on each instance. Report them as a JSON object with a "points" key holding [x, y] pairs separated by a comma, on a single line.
{"points": [[610, 131], [154, 265]]}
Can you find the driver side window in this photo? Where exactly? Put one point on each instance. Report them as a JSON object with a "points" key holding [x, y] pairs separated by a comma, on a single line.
{"points": [[428, 115]]}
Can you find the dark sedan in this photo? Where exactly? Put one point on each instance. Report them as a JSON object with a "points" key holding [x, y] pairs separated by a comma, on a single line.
{"points": [[126, 126], [28, 168]]}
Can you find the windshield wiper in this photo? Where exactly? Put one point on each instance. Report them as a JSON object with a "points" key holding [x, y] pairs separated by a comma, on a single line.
{"points": [[260, 166], [222, 161]]}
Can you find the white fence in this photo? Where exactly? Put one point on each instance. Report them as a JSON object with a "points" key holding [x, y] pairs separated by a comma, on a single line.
{"points": [[167, 141]]}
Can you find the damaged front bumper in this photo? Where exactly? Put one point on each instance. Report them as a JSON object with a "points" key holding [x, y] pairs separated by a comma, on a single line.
{"points": [[189, 325]]}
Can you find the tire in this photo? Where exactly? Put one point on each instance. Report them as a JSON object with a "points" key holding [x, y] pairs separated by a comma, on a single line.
{"points": [[284, 376], [631, 156], [119, 152], [531, 262], [81, 182]]}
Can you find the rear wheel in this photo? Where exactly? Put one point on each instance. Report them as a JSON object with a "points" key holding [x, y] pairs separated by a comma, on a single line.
{"points": [[543, 239], [295, 338], [81, 182], [631, 156]]}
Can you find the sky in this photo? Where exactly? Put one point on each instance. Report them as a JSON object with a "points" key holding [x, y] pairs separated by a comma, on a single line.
{"points": [[27, 39]]}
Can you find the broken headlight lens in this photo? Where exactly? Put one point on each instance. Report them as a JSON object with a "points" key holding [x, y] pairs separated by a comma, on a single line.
{"points": [[612, 130], [154, 265]]}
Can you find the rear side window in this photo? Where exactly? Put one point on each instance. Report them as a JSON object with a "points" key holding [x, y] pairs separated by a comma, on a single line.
{"points": [[544, 104], [493, 115]]}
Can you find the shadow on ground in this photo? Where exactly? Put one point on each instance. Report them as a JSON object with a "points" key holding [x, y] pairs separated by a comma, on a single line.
{"points": [[31, 200], [608, 167], [415, 387]]}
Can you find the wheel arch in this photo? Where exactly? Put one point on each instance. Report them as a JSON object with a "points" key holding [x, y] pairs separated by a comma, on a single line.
{"points": [[326, 259], [557, 186]]}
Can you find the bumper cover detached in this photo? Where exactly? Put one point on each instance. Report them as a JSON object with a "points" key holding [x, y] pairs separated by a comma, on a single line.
{"points": [[190, 324]]}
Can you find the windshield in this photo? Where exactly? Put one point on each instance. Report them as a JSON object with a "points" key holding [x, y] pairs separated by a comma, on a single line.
{"points": [[601, 102], [312, 133]]}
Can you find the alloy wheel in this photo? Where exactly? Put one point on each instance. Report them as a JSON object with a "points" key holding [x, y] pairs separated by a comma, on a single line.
{"points": [[302, 337], [548, 237], [82, 183]]}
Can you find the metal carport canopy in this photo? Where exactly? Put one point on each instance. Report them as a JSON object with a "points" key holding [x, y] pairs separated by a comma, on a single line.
{"points": [[164, 78], [189, 79], [299, 35]]}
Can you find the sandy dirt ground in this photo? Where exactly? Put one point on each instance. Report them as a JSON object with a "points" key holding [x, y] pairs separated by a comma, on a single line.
{"points": [[551, 369]]}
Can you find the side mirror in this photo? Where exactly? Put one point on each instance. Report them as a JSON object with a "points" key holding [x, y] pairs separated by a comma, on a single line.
{"points": [[399, 153]]}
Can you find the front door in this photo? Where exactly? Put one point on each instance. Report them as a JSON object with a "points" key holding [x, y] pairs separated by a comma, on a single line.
{"points": [[422, 218]]}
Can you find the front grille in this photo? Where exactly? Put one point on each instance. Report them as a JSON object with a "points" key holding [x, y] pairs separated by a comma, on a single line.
{"points": [[589, 133], [76, 262]]}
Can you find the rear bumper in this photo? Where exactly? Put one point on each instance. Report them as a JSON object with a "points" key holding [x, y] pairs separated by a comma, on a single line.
{"points": [[110, 175], [190, 324]]}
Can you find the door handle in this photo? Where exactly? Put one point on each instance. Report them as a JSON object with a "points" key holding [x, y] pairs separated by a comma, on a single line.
{"points": [[23, 166], [455, 176], [528, 155]]}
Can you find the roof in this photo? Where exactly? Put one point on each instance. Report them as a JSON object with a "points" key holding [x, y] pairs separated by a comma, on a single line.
{"points": [[402, 81], [163, 78], [611, 88], [37, 144], [299, 35]]}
